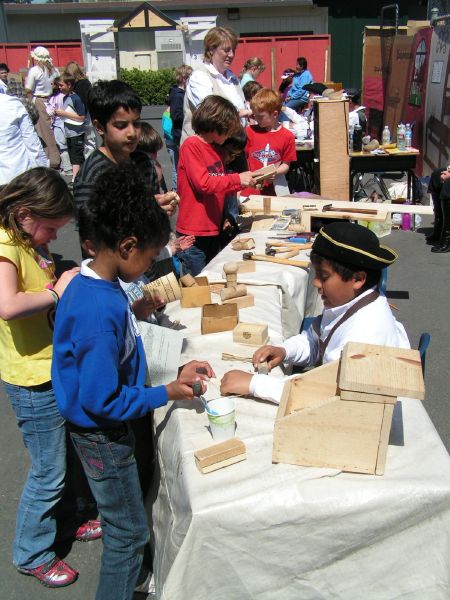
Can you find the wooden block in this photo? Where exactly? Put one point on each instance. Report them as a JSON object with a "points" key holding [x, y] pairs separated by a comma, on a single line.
{"points": [[188, 280], [264, 173], [243, 244], [219, 317], [262, 368], [241, 301], [263, 223], [220, 455], [340, 434], [197, 295], [365, 397], [246, 266], [382, 370], [166, 288], [251, 334]]}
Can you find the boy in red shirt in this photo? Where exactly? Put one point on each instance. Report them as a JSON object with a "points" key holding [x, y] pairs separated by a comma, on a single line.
{"points": [[268, 142], [202, 181]]}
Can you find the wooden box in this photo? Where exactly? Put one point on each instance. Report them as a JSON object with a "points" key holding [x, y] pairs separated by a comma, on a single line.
{"points": [[197, 295], [320, 425], [219, 317], [332, 171], [166, 288], [251, 334]]}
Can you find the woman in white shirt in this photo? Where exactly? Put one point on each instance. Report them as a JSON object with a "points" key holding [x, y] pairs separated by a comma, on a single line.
{"points": [[214, 76], [20, 149], [38, 85]]}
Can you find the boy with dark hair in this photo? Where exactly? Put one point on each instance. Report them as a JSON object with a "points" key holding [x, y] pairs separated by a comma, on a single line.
{"points": [[99, 367], [347, 260], [115, 110], [268, 142], [73, 113]]}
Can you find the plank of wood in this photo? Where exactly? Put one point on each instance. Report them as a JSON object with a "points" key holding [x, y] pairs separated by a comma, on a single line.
{"points": [[241, 301], [365, 397], [340, 434], [381, 370], [384, 438], [311, 389]]}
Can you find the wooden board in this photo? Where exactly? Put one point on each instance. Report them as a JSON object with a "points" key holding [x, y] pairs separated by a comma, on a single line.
{"points": [[220, 455], [381, 370], [365, 397], [339, 434], [241, 301], [166, 288], [311, 389], [384, 438]]}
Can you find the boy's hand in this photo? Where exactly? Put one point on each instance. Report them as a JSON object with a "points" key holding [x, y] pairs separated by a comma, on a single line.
{"points": [[247, 179], [145, 306], [236, 382], [64, 280], [178, 390], [272, 354], [168, 201], [195, 370], [184, 242]]}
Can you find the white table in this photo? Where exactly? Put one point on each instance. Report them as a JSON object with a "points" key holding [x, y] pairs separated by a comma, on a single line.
{"points": [[264, 531]]}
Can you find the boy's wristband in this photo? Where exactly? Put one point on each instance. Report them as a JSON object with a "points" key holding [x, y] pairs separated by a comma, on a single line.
{"points": [[54, 295]]}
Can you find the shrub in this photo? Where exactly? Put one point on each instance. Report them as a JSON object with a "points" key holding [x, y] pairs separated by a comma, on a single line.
{"points": [[151, 86]]}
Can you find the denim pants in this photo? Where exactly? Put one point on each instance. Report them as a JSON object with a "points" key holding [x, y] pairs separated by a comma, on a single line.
{"points": [[201, 253], [44, 435], [108, 459], [174, 154]]}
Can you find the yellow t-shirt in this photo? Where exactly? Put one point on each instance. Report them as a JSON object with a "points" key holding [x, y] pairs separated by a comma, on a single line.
{"points": [[26, 343]]}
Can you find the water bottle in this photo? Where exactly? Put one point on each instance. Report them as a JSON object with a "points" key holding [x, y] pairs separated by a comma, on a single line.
{"points": [[386, 137], [408, 137], [357, 138], [401, 143]]}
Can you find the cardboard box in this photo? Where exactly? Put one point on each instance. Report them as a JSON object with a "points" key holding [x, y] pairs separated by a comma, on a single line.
{"points": [[251, 334], [219, 317], [197, 295]]}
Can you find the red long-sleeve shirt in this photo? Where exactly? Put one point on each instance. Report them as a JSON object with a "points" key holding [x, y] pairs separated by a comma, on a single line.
{"points": [[202, 187]]}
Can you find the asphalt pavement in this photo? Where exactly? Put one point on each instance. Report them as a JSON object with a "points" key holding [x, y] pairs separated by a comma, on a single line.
{"points": [[419, 287]]}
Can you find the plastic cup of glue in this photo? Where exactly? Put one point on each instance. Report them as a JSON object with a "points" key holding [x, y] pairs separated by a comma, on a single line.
{"points": [[222, 418]]}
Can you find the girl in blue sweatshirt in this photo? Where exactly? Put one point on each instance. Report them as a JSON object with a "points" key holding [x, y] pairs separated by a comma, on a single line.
{"points": [[99, 367]]}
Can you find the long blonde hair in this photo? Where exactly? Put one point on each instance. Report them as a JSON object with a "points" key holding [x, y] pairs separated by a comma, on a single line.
{"points": [[42, 191]]}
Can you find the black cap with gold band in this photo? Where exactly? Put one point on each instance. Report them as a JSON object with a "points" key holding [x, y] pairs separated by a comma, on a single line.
{"points": [[352, 244]]}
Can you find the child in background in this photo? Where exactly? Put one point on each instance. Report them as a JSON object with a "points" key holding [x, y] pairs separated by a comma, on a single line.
{"points": [[115, 110], [99, 367], [232, 148], [33, 206], [347, 260], [151, 143], [56, 101], [268, 142], [167, 125], [202, 181], [73, 113], [176, 103], [249, 90]]}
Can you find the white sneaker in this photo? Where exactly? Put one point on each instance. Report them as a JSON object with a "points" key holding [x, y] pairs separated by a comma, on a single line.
{"points": [[146, 586]]}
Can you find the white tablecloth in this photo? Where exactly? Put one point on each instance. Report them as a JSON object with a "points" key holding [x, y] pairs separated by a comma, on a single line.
{"points": [[257, 530]]}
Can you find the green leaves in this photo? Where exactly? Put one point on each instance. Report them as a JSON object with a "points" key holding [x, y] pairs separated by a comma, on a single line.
{"points": [[151, 86]]}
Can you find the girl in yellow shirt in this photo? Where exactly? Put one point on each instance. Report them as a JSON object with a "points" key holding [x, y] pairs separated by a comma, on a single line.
{"points": [[33, 206]]}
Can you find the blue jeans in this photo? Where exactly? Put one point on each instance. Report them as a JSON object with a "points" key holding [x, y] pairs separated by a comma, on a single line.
{"points": [[201, 253], [44, 435], [108, 459], [174, 154]]}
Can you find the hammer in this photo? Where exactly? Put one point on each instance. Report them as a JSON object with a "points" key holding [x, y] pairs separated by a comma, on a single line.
{"points": [[280, 261], [287, 252]]}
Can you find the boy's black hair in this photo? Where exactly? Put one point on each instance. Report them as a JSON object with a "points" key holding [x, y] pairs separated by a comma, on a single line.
{"points": [[236, 142], [346, 272], [120, 207], [105, 97], [4, 67]]}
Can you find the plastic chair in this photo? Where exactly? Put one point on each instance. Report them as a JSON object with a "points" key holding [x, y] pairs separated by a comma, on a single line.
{"points": [[382, 284], [424, 342]]}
